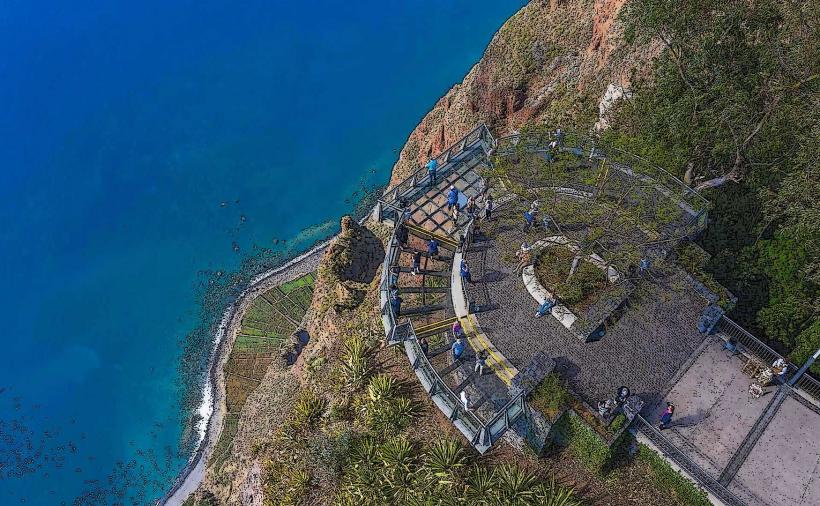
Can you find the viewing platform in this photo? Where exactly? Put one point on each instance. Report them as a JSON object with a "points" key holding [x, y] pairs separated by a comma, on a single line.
{"points": [[597, 232]]}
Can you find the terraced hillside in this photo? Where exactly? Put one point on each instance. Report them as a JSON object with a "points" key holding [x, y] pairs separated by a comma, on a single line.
{"points": [[269, 322]]}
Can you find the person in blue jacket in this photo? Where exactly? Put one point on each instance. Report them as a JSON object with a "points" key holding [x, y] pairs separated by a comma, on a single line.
{"points": [[545, 307], [529, 219], [452, 198], [432, 165], [465, 272], [395, 303], [432, 249], [458, 349]]}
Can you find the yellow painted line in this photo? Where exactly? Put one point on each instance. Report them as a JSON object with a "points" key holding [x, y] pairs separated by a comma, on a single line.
{"points": [[440, 323], [503, 368], [423, 231]]}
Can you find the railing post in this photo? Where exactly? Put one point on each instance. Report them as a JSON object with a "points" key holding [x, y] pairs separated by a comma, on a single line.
{"points": [[805, 368]]}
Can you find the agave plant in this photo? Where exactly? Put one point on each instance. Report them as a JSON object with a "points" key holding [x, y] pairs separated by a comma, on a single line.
{"points": [[552, 494], [445, 462], [356, 361], [381, 388], [309, 409], [399, 461], [515, 485], [481, 486]]}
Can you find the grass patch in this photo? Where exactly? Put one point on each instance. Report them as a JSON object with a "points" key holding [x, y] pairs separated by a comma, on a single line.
{"points": [[579, 291], [550, 397], [667, 478]]}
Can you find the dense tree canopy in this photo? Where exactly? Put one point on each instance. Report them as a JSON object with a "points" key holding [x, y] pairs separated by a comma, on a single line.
{"points": [[732, 107]]}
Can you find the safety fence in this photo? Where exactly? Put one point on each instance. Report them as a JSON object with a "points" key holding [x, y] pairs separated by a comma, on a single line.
{"points": [[695, 472], [615, 173], [482, 435], [470, 149], [749, 344]]}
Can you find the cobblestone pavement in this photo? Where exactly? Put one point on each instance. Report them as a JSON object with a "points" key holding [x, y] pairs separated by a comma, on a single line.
{"points": [[643, 350]]}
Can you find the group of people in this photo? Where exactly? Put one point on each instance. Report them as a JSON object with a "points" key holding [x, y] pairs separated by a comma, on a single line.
{"points": [[459, 346]]}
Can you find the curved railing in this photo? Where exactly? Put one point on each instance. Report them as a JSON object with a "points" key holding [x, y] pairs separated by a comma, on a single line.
{"points": [[627, 164], [449, 160]]}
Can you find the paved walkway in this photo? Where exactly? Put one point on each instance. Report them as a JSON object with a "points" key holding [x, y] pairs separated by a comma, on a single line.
{"points": [[643, 350], [715, 415]]}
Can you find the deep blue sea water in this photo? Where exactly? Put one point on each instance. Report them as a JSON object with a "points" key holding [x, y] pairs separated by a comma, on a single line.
{"points": [[141, 143]]}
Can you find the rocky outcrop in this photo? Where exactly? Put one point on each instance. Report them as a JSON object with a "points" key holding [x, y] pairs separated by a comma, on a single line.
{"points": [[352, 260], [552, 61]]}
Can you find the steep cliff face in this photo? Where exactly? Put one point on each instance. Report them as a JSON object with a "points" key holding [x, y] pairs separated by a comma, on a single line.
{"points": [[552, 61]]}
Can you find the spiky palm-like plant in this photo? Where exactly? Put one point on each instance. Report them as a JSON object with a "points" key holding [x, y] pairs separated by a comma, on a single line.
{"points": [[309, 409], [399, 460], [445, 462], [481, 486], [515, 486], [381, 388], [552, 494], [363, 479], [356, 361]]}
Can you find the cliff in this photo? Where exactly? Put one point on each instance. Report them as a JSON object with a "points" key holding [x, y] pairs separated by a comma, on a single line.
{"points": [[552, 61]]}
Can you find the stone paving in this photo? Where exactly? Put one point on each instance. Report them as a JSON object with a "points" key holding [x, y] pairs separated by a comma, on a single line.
{"points": [[714, 411], [642, 350], [784, 466], [715, 414]]}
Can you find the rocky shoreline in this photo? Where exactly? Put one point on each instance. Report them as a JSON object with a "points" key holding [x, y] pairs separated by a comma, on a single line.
{"points": [[192, 474], [570, 60]]}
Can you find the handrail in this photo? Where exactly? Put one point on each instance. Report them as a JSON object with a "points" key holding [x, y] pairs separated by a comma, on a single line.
{"points": [[695, 472], [480, 134], [695, 205], [765, 353], [596, 151]]}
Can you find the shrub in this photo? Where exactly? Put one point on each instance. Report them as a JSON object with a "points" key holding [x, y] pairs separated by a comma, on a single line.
{"points": [[550, 396], [308, 409], [445, 462], [618, 423], [385, 417], [515, 485], [357, 361], [381, 388]]}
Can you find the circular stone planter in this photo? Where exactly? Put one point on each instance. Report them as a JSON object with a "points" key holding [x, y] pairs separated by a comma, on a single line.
{"points": [[539, 292]]}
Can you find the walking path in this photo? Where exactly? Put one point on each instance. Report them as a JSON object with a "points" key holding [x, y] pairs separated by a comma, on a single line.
{"points": [[192, 475]]}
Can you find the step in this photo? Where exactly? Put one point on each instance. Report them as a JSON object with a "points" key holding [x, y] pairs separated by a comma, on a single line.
{"points": [[424, 289], [444, 241], [421, 310], [444, 324], [440, 274]]}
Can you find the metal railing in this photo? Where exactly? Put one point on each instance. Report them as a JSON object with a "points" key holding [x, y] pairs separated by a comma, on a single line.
{"points": [[478, 140], [749, 342], [754, 346], [616, 161], [695, 472], [809, 385]]}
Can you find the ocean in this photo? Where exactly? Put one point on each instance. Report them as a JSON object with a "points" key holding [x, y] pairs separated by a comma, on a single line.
{"points": [[153, 155]]}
